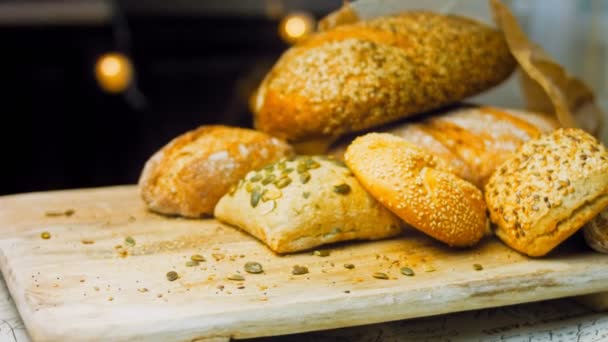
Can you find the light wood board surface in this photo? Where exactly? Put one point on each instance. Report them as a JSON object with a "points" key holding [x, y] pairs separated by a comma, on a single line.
{"points": [[69, 290]]}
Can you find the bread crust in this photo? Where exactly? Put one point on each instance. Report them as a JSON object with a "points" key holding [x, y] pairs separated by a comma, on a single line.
{"points": [[474, 141], [596, 232], [362, 75], [189, 175], [419, 187], [321, 202], [547, 190]]}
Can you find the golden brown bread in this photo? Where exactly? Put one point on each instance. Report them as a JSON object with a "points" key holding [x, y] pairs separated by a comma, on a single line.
{"points": [[596, 232], [189, 175], [547, 190], [474, 141], [419, 187], [365, 74], [298, 204]]}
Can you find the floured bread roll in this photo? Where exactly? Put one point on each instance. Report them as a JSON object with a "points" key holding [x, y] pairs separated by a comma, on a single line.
{"points": [[298, 204], [189, 175], [549, 189]]}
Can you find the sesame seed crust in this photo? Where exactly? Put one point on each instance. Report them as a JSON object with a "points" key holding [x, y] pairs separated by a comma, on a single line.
{"points": [[548, 189], [419, 187], [365, 74]]}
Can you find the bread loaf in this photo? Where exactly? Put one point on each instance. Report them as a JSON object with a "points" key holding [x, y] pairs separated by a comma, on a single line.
{"points": [[419, 187], [357, 76], [596, 232], [473, 140], [547, 190], [189, 175], [298, 204]]}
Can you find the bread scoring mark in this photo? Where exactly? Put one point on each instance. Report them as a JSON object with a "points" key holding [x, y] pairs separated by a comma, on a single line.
{"points": [[220, 155]]}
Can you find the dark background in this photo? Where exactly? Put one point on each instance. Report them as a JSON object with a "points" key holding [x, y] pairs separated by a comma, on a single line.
{"points": [[196, 62]]}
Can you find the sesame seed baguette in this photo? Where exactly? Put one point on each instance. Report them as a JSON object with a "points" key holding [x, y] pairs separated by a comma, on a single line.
{"points": [[357, 76], [189, 175], [419, 188], [547, 190]]}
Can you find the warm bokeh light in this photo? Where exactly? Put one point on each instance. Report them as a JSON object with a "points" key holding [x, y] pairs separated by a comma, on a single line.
{"points": [[114, 72], [296, 26]]}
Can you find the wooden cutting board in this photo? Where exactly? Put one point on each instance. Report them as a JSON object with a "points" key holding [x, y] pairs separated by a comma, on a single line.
{"points": [[79, 285]]}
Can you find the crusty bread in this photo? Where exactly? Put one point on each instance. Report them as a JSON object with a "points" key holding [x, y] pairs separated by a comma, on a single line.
{"points": [[473, 140], [298, 204], [189, 175], [596, 232], [419, 187], [547, 190], [365, 74]]}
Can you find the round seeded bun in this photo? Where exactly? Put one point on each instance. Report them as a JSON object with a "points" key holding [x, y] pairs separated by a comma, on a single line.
{"points": [[191, 173], [419, 187], [357, 76], [548, 189]]}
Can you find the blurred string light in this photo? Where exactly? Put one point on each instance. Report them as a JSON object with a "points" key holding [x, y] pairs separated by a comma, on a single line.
{"points": [[114, 72], [296, 26]]}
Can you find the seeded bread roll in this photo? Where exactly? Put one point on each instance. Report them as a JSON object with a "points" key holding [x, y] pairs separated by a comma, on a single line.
{"points": [[596, 232], [419, 187], [547, 190], [189, 175], [474, 141], [357, 76], [294, 205]]}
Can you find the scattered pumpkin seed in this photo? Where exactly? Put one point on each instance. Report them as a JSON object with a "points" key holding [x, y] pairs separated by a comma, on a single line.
{"points": [[129, 241], [407, 271], [380, 275], [87, 242], [306, 194], [312, 164], [67, 213], [304, 177], [45, 235], [256, 178], [477, 267], [342, 189], [236, 277], [321, 253], [349, 266], [191, 263], [253, 267], [301, 168], [269, 167], [172, 276], [197, 257], [299, 270], [271, 194], [282, 182], [269, 179], [256, 195]]}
